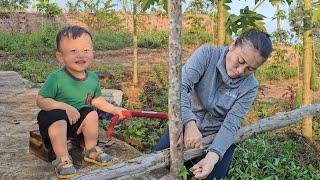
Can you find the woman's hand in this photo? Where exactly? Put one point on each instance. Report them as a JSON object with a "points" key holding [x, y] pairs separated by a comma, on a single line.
{"points": [[192, 136], [204, 167]]}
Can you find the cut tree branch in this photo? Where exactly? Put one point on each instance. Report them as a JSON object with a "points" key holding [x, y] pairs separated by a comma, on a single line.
{"points": [[146, 163]]}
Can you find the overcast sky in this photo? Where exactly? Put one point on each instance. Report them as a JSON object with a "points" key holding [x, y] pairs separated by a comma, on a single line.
{"points": [[266, 9]]}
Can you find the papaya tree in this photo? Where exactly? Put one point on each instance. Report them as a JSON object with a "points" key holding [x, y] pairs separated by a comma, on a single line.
{"points": [[307, 62], [304, 18], [135, 42]]}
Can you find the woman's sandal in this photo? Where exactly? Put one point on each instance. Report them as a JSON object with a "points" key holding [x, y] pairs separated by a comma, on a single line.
{"points": [[99, 157], [64, 167]]}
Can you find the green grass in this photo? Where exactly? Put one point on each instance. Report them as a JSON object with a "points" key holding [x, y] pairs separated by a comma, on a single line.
{"points": [[109, 40], [275, 156], [32, 44], [195, 38], [152, 39], [30, 68]]}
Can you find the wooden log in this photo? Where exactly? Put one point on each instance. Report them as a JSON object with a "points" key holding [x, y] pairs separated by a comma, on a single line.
{"points": [[160, 159]]}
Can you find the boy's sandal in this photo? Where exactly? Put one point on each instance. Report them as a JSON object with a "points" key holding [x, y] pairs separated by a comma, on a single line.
{"points": [[64, 167], [97, 156]]}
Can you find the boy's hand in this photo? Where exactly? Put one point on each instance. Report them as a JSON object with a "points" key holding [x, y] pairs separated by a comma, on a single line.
{"points": [[118, 110], [73, 114], [192, 136]]}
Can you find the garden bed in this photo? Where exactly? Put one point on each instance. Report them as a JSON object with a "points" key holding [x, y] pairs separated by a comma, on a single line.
{"points": [[141, 133]]}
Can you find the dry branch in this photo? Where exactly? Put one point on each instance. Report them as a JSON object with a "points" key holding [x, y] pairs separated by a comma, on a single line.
{"points": [[157, 160]]}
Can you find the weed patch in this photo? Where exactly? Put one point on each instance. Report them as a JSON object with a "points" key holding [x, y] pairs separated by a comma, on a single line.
{"points": [[275, 156]]}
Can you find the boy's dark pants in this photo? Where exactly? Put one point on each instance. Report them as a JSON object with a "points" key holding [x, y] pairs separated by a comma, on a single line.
{"points": [[219, 171], [46, 118]]}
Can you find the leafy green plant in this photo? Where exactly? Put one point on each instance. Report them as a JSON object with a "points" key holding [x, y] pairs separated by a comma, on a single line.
{"points": [[274, 156], [147, 131], [246, 20], [48, 9], [275, 71], [152, 40], [185, 173], [155, 91]]}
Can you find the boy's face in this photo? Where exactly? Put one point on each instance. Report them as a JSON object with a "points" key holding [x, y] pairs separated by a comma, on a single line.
{"points": [[76, 54]]}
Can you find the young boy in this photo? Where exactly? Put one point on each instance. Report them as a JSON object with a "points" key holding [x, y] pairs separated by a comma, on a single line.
{"points": [[67, 99]]}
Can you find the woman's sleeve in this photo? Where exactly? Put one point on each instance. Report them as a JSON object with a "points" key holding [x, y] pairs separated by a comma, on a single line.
{"points": [[192, 72], [232, 123]]}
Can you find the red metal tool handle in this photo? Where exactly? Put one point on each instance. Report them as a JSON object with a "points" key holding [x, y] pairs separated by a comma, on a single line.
{"points": [[135, 113]]}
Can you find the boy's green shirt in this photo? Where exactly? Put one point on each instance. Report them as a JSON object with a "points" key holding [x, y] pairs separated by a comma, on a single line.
{"points": [[63, 87]]}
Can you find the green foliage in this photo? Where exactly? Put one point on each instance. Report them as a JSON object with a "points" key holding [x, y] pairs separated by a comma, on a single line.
{"points": [[119, 74], [48, 9], [30, 44], [280, 55], [300, 19], [246, 20], [152, 39], [148, 3], [193, 38], [314, 82], [298, 98], [266, 109], [13, 5], [155, 91], [275, 71], [108, 40], [273, 157], [195, 34], [147, 131], [198, 6], [285, 36], [101, 14], [31, 69]]}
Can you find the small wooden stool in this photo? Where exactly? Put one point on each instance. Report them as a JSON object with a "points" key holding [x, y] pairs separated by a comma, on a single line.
{"points": [[37, 147]]}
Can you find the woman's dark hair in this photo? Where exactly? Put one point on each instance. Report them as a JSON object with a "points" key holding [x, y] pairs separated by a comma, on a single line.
{"points": [[73, 31], [260, 41]]}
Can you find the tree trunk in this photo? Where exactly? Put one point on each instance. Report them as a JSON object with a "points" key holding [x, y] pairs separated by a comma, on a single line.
{"points": [[148, 162], [307, 63], [221, 23], [174, 99], [135, 43]]}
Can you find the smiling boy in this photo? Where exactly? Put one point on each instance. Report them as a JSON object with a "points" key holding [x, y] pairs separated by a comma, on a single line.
{"points": [[67, 100]]}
